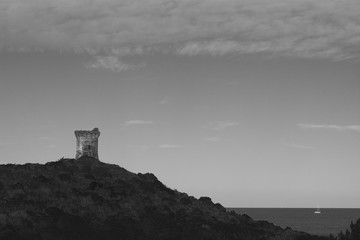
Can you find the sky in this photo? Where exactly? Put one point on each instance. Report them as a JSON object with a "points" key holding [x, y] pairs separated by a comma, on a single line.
{"points": [[254, 103]]}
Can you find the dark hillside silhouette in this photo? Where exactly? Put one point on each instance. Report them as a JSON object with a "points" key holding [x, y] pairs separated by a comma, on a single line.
{"points": [[87, 199]]}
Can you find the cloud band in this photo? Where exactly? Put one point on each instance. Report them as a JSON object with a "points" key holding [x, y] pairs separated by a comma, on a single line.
{"points": [[301, 28], [355, 128]]}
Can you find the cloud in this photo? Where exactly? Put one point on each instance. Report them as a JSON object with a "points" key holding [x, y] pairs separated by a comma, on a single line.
{"points": [[137, 122], [299, 28], [170, 146], [339, 128], [112, 63], [221, 47], [220, 125], [217, 139], [130, 123]]}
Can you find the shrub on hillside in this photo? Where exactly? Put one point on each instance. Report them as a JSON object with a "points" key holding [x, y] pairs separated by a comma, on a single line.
{"points": [[353, 234]]}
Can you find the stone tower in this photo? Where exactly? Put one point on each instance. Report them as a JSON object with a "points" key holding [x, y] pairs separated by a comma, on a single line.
{"points": [[87, 143]]}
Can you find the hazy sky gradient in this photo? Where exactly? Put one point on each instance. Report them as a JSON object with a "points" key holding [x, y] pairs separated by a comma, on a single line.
{"points": [[253, 103]]}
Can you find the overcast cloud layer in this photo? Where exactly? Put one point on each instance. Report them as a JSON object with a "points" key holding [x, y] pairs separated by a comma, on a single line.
{"points": [[301, 28]]}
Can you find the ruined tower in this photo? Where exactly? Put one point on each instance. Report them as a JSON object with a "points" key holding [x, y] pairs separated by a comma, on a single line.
{"points": [[87, 143]]}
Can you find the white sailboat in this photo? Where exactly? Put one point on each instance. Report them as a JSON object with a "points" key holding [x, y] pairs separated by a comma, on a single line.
{"points": [[317, 210]]}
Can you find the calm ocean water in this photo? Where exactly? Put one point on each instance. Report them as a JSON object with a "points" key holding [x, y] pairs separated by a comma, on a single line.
{"points": [[330, 221]]}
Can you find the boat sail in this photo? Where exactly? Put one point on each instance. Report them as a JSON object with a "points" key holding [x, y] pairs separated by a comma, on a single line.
{"points": [[317, 210]]}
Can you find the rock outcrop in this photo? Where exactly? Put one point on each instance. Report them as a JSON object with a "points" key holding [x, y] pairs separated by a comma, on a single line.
{"points": [[87, 199]]}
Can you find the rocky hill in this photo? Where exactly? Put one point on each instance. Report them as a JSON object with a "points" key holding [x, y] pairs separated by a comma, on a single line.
{"points": [[87, 199]]}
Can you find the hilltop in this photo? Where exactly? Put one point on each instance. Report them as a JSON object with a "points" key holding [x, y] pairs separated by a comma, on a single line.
{"points": [[88, 199]]}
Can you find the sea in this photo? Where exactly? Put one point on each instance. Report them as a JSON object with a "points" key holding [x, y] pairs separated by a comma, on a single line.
{"points": [[330, 221]]}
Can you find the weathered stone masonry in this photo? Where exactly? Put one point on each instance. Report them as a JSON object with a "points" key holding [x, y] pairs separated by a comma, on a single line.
{"points": [[87, 143]]}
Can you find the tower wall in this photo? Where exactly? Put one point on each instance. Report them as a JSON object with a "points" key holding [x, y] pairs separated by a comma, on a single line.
{"points": [[87, 143]]}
